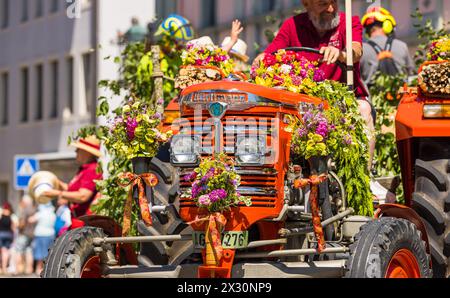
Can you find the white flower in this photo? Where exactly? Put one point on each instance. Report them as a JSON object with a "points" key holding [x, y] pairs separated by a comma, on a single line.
{"points": [[210, 48], [270, 69], [184, 55], [286, 69]]}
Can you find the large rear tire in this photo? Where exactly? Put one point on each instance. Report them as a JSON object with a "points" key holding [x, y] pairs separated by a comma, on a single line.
{"points": [[388, 248], [165, 193], [431, 200], [72, 255]]}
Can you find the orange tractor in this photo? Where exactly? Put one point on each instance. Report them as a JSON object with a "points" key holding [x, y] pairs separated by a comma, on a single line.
{"points": [[423, 141], [274, 237]]}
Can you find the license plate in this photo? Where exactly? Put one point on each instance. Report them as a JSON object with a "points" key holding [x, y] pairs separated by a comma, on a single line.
{"points": [[230, 240]]}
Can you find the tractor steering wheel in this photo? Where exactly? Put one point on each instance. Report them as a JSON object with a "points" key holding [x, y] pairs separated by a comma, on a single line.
{"points": [[343, 66]]}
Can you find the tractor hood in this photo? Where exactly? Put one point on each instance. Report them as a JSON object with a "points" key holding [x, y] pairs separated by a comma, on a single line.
{"points": [[236, 93]]}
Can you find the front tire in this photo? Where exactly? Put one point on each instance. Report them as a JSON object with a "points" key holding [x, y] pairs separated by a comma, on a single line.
{"points": [[388, 248], [72, 255]]}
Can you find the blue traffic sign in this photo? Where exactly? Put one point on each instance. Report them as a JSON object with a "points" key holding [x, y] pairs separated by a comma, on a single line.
{"points": [[24, 168]]}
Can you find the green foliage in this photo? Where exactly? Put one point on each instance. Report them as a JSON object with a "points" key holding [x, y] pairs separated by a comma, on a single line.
{"points": [[351, 161], [425, 33], [136, 84]]}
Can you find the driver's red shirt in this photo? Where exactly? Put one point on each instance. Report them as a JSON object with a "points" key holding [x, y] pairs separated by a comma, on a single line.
{"points": [[85, 178], [299, 31]]}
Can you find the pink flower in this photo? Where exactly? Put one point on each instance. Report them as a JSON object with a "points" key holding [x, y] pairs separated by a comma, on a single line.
{"points": [[269, 60], [204, 200], [131, 128]]}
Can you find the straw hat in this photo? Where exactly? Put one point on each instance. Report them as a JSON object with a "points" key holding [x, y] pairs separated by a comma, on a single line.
{"points": [[41, 182], [239, 49], [90, 144], [202, 41]]}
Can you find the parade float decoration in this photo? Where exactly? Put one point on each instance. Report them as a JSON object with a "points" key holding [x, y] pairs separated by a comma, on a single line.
{"points": [[203, 63], [335, 131], [215, 189]]}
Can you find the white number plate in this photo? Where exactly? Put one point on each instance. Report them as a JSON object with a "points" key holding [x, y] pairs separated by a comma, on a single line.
{"points": [[230, 240]]}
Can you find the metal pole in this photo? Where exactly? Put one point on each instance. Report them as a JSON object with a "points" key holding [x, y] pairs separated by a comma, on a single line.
{"points": [[291, 252], [158, 78], [349, 35], [143, 239]]}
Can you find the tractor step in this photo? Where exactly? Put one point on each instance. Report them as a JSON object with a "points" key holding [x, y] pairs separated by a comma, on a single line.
{"points": [[318, 269]]}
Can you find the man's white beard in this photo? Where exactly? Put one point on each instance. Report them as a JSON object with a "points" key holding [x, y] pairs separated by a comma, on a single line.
{"points": [[323, 25]]}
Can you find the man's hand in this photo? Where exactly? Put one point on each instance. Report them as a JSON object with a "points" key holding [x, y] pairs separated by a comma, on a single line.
{"points": [[257, 60], [331, 54]]}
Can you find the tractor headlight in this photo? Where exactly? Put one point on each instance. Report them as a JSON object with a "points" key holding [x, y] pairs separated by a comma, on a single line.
{"points": [[436, 111], [185, 150], [250, 150]]}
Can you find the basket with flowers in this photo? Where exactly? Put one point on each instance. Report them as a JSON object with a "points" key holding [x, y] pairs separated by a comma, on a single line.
{"points": [[203, 63], [135, 131], [215, 185]]}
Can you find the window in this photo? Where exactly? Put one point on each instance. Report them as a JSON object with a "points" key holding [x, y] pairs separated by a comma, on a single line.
{"points": [[239, 8], [25, 95], [70, 102], [24, 11], [39, 8], [54, 6], [88, 68], [4, 13], [39, 92], [209, 8], [165, 7], [4, 99], [54, 79]]}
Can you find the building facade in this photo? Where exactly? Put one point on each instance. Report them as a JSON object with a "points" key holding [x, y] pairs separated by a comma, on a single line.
{"points": [[213, 17], [51, 58]]}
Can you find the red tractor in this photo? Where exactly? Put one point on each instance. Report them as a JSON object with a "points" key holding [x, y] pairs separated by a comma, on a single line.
{"points": [[275, 235], [423, 141]]}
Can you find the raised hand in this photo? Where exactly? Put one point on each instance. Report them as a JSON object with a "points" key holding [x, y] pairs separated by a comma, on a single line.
{"points": [[236, 30]]}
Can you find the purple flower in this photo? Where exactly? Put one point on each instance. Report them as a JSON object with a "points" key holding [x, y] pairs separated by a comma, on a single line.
{"points": [[303, 73], [234, 182], [160, 101], [351, 127], [191, 176], [302, 132], [196, 189], [319, 75], [217, 195], [322, 129], [131, 128], [157, 116], [348, 140]]}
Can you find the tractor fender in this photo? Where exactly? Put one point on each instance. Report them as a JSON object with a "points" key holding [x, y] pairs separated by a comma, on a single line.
{"points": [[401, 211], [111, 229]]}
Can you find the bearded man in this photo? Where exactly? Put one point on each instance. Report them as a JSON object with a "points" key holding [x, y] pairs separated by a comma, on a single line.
{"points": [[322, 27]]}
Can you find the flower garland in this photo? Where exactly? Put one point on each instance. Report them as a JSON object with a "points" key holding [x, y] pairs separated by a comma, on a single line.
{"points": [[439, 49], [214, 185], [135, 131], [207, 55], [288, 69], [338, 131]]}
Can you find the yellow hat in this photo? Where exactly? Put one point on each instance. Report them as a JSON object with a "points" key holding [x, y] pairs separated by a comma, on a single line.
{"points": [[89, 144], [41, 182], [382, 15]]}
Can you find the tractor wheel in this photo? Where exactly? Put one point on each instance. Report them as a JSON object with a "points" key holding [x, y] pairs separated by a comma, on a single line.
{"points": [[388, 248], [72, 255], [431, 200], [165, 193]]}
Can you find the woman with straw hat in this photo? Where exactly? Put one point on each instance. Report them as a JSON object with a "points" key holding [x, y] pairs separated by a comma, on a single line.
{"points": [[81, 191]]}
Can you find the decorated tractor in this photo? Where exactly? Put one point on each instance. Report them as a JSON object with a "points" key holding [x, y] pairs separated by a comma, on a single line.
{"points": [[423, 140], [246, 190]]}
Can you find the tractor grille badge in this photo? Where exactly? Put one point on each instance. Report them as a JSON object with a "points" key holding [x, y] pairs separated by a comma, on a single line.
{"points": [[217, 109]]}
